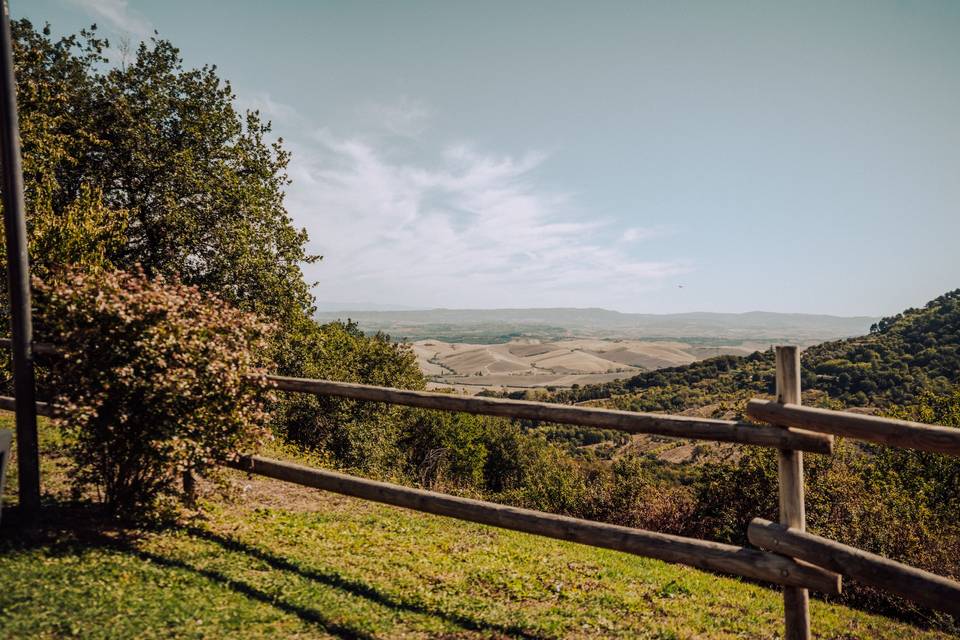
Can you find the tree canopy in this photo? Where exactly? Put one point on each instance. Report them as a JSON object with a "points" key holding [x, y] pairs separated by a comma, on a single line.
{"points": [[148, 163]]}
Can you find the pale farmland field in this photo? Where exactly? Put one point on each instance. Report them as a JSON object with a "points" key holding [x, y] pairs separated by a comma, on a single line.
{"points": [[531, 362]]}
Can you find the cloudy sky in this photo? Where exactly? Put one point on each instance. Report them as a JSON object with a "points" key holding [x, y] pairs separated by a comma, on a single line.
{"points": [[638, 156]]}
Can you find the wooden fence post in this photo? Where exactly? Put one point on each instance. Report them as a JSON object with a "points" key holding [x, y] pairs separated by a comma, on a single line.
{"points": [[796, 601], [189, 489]]}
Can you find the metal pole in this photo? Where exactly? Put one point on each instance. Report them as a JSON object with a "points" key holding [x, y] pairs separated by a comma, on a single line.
{"points": [[18, 277]]}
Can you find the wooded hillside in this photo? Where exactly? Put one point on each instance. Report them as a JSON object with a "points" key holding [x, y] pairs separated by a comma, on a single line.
{"points": [[903, 355]]}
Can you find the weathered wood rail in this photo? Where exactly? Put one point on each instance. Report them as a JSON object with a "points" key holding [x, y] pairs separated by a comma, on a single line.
{"points": [[887, 431], [626, 421], [867, 568], [10, 404], [38, 348]]}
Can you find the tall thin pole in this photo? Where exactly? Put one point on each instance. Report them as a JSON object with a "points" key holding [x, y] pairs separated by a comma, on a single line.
{"points": [[18, 278], [796, 601]]}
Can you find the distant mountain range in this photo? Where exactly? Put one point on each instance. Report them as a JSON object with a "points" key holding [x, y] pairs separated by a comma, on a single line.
{"points": [[495, 325], [337, 307]]}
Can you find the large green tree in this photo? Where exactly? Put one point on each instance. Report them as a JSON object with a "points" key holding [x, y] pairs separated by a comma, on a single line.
{"points": [[145, 164], [150, 163]]}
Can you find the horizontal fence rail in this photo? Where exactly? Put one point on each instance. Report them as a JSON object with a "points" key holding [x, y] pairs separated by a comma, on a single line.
{"points": [[43, 408], [627, 421], [867, 568], [39, 348], [888, 431], [703, 554]]}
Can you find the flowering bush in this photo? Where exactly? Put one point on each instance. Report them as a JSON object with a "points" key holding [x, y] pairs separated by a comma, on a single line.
{"points": [[155, 379]]}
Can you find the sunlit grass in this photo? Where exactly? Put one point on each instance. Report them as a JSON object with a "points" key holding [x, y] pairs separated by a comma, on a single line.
{"points": [[284, 561]]}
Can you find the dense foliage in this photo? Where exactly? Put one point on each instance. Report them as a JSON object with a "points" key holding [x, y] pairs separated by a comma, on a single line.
{"points": [[357, 435], [154, 379], [150, 164]]}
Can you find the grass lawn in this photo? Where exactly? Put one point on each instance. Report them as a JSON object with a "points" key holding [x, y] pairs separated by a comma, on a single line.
{"points": [[285, 561]]}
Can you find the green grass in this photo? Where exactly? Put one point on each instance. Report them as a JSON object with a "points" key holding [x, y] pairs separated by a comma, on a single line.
{"points": [[283, 561]]}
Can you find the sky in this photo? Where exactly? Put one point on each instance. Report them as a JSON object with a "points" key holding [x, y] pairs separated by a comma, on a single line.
{"points": [[639, 156]]}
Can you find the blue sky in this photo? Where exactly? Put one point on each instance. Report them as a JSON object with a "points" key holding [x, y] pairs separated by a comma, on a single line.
{"points": [[639, 156]]}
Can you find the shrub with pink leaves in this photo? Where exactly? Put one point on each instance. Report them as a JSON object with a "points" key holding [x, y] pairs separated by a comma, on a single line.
{"points": [[155, 379]]}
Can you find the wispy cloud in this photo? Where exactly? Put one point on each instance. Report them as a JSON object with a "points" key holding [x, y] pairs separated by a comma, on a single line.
{"points": [[118, 15], [456, 227], [639, 234], [405, 117]]}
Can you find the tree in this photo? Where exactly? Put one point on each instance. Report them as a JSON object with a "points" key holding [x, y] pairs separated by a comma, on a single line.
{"points": [[359, 435], [149, 166], [158, 169], [154, 379]]}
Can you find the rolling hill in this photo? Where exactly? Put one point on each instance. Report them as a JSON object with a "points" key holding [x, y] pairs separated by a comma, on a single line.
{"points": [[902, 356], [531, 362], [499, 325]]}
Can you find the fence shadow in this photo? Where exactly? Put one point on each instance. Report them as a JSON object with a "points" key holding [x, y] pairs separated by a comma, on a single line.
{"points": [[357, 588], [72, 528]]}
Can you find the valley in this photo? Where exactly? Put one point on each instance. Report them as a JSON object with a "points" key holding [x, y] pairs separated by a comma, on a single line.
{"points": [[471, 350], [524, 363]]}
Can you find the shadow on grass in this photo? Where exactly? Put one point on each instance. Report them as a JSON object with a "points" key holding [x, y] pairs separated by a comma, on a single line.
{"points": [[69, 529], [355, 587], [306, 614]]}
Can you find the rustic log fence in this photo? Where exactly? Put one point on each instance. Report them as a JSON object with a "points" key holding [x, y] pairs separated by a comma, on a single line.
{"points": [[626, 421], [787, 555], [703, 554], [866, 568]]}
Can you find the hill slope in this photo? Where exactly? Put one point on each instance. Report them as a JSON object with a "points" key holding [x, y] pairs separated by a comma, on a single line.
{"points": [[285, 561], [902, 356]]}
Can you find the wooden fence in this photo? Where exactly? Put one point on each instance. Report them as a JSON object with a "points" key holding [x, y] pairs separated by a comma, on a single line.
{"points": [[787, 555], [626, 421], [703, 554]]}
